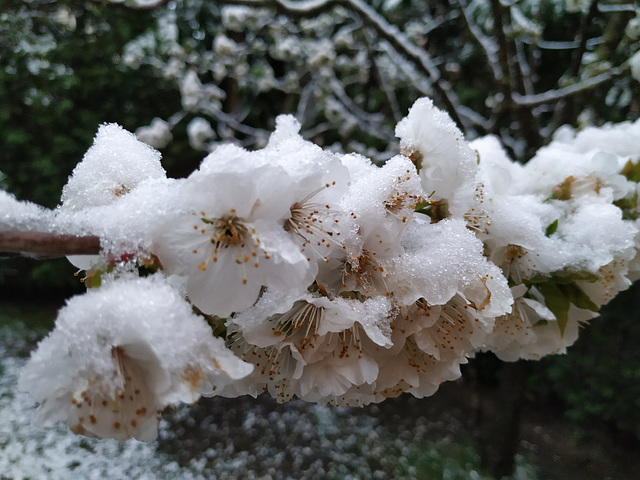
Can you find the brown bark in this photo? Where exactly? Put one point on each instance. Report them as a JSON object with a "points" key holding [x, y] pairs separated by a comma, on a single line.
{"points": [[47, 245]]}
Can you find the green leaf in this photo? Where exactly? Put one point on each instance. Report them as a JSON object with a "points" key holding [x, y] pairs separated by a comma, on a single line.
{"points": [[579, 298], [562, 191], [436, 210], [631, 171], [551, 229], [559, 295], [557, 301], [422, 205], [629, 207], [95, 280], [567, 276]]}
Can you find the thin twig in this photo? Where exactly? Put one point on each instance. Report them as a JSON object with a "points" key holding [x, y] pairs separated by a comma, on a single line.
{"points": [[581, 36], [488, 47], [507, 81], [618, 8], [551, 96], [305, 8], [525, 69], [367, 117], [305, 96], [47, 245], [557, 45], [392, 100], [416, 54], [133, 5], [236, 125]]}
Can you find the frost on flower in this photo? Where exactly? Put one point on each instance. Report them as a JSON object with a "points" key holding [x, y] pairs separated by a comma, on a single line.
{"points": [[445, 259], [377, 208], [115, 164], [229, 240], [121, 353], [117, 192], [340, 282], [553, 228], [620, 139], [311, 346], [247, 220], [397, 308], [446, 163]]}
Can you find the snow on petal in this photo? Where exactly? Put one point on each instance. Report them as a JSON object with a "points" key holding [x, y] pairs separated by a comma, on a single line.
{"points": [[115, 164], [446, 163], [121, 353], [24, 216]]}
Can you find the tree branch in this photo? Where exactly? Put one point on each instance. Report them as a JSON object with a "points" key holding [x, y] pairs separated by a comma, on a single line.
{"points": [[581, 37], [144, 5], [618, 8], [305, 8], [488, 47], [392, 100], [551, 96], [47, 245], [507, 81], [387, 31]]}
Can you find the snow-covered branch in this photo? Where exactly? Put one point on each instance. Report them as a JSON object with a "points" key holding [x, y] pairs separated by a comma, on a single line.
{"points": [[551, 96], [319, 275]]}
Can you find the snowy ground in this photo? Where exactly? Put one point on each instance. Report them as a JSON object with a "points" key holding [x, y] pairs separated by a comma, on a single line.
{"points": [[231, 439], [248, 438]]}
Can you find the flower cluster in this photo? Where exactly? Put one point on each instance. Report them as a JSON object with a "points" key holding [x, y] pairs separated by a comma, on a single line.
{"points": [[323, 276], [120, 354]]}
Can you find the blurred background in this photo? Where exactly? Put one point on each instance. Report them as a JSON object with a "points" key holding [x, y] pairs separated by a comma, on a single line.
{"points": [[189, 75]]}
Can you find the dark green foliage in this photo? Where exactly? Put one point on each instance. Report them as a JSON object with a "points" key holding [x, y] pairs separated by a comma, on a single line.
{"points": [[48, 119], [599, 379]]}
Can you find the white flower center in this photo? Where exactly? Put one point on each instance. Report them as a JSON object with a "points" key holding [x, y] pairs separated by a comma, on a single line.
{"points": [[227, 231], [313, 223]]}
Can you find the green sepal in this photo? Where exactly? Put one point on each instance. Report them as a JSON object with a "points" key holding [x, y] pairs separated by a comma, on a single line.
{"points": [[568, 276], [560, 291], [95, 279], [557, 301], [436, 210], [420, 206], [565, 276], [629, 207], [631, 171], [559, 297], [580, 299], [551, 229], [217, 324]]}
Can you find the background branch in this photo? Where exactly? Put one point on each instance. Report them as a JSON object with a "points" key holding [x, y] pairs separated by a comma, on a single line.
{"points": [[487, 45], [387, 31], [551, 96], [581, 37]]}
